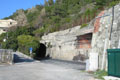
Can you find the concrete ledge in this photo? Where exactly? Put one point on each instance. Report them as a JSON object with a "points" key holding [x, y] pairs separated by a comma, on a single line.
{"points": [[111, 78], [6, 56]]}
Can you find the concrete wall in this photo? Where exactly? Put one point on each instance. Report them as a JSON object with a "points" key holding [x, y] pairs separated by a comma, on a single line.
{"points": [[6, 56]]}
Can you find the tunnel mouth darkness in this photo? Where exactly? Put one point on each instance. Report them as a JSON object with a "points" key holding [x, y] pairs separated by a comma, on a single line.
{"points": [[41, 52]]}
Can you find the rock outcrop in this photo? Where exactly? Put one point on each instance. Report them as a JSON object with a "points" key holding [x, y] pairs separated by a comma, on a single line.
{"points": [[101, 39], [21, 18], [63, 44]]}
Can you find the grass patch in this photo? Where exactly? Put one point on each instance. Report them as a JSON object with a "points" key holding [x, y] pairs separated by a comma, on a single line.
{"points": [[113, 3], [100, 73], [83, 25]]}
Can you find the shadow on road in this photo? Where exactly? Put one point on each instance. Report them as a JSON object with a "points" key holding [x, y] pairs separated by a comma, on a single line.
{"points": [[18, 59]]}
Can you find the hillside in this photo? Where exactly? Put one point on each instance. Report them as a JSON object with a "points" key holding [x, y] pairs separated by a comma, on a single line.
{"points": [[50, 17], [60, 15]]}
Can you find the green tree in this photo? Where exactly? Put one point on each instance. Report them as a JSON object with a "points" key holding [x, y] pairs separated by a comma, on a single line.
{"points": [[59, 10], [27, 41], [51, 2], [100, 2], [10, 44], [46, 3], [11, 37], [39, 7], [58, 1]]}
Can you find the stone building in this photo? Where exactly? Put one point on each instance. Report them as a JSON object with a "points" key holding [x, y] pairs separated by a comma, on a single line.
{"points": [[4, 24]]}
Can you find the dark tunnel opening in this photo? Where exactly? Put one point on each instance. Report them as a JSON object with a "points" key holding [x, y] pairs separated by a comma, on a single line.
{"points": [[41, 52]]}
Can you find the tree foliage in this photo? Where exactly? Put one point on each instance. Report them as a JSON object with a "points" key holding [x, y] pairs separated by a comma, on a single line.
{"points": [[10, 44], [27, 41], [51, 17], [11, 37], [51, 2]]}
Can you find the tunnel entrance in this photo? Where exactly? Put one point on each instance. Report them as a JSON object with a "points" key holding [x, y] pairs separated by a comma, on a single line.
{"points": [[41, 52]]}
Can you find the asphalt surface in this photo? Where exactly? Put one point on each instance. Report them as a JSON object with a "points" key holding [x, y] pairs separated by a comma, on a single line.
{"points": [[65, 64], [29, 69]]}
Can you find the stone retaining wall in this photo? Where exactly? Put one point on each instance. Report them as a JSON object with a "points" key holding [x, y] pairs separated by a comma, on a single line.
{"points": [[6, 56], [100, 40]]}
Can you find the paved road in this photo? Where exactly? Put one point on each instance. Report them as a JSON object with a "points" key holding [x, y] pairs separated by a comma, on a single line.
{"points": [[36, 70], [65, 64]]}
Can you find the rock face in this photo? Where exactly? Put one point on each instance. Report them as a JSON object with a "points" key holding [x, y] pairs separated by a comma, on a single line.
{"points": [[21, 18], [63, 44], [100, 40], [31, 10]]}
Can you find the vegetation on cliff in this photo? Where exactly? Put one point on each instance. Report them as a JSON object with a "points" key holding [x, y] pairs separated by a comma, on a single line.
{"points": [[50, 17]]}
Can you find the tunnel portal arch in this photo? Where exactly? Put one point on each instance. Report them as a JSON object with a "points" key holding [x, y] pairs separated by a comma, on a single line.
{"points": [[41, 52]]}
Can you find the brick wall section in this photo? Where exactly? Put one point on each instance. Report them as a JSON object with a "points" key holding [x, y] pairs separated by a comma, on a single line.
{"points": [[97, 22], [84, 41]]}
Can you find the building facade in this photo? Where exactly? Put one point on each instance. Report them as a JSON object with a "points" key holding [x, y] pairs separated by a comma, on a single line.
{"points": [[5, 24]]}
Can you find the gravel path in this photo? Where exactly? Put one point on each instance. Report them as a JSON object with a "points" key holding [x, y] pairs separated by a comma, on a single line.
{"points": [[36, 70]]}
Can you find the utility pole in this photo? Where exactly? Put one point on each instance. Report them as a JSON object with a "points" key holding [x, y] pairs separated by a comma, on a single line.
{"points": [[111, 25]]}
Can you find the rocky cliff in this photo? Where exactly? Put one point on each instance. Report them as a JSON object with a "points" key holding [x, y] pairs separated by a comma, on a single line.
{"points": [[101, 39], [20, 18], [63, 43]]}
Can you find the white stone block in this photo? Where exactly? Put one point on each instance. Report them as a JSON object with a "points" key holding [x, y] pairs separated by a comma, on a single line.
{"points": [[111, 78], [93, 60], [87, 65]]}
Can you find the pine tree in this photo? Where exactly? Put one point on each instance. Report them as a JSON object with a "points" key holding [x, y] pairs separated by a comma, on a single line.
{"points": [[100, 2], [58, 1], [46, 3], [51, 2]]}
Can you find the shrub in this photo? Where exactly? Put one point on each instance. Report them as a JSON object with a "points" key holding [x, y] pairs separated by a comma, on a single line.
{"points": [[113, 3], [83, 25], [10, 44], [32, 16], [27, 41], [100, 73]]}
